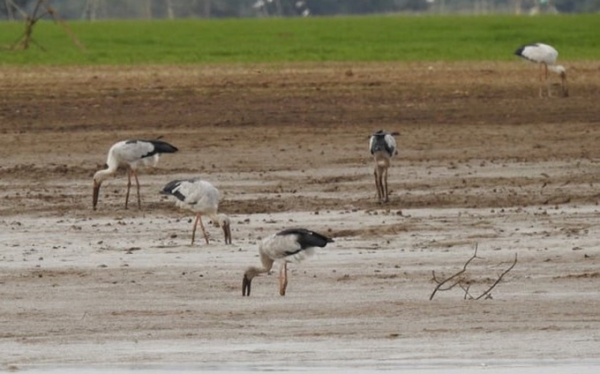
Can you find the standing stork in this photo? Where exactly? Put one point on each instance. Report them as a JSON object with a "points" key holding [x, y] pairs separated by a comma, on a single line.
{"points": [[291, 245], [130, 154], [545, 56], [383, 147], [200, 197]]}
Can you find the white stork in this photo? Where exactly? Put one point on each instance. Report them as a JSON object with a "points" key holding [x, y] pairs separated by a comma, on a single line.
{"points": [[202, 198], [130, 154], [383, 147], [545, 56], [291, 245]]}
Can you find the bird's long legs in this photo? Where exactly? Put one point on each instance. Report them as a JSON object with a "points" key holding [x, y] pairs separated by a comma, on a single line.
{"points": [[385, 186], [381, 183], [137, 183], [199, 219], [128, 187], [283, 282], [378, 184], [544, 80], [541, 74]]}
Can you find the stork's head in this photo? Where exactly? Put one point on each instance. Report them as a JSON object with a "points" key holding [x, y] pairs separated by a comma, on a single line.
{"points": [[223, 221], [99, 177], [563, 80], [559, 69], [562, 72], [250, 273]]}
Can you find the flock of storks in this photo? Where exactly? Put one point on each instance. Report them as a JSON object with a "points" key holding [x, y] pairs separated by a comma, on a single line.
{"points": [[290, 245], [202, 198]]}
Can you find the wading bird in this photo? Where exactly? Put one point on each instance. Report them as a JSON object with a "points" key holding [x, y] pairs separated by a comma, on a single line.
{"points": [[291, 245], [383, 147], [202, 198], [545, 56], [131, 154]]}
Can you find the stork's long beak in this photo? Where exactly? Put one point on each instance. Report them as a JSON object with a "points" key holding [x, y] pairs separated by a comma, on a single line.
{"points": [[565, 90], [96, 193], [246, 283], [227, 232]]}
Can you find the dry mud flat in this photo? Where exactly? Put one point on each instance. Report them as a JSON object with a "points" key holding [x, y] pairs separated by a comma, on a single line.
{"points": [[482, 161]]}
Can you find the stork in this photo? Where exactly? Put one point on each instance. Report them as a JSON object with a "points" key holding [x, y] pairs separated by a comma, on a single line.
{"points": [[291, 245], [130, 154], [383, 147], [545, 56], [200, 197]]}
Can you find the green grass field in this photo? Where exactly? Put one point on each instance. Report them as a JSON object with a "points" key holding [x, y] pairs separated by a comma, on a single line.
{"points": [[376, 38]]}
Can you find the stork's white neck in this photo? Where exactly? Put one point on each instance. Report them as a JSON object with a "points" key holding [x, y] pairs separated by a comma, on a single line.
{"points": [[101, 175], [557, 69], [215, 218], [267, 265]]}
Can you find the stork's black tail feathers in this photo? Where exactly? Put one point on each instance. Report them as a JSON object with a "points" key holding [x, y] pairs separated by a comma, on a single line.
{"points": [[521, 49], [162, 147], [170, 188], [519, 52], [307, 238], [379, 144]]}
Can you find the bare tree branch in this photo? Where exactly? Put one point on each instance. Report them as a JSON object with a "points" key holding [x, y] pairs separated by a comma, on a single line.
{"points": [[467, 294], [450, 286], [30, 20], [440, 284], [499, 279], [51, 11], [458, 279]]}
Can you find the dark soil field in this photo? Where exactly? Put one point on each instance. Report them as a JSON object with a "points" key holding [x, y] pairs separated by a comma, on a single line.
{"points": [[483, 162]]}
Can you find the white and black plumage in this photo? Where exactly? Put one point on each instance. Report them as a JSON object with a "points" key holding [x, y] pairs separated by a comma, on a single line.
{"points": [[545, 56], [202, 198], [291, 245], [131, 154], [383, 147]]}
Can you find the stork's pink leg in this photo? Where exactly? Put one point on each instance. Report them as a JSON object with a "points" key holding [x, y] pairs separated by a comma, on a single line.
{"points": [[283, 282], [194, 230], [385, 185], [546, 80], [203, 230], [541, 73], [128, 187], [137, 182], [281, 292], [377, 184]]}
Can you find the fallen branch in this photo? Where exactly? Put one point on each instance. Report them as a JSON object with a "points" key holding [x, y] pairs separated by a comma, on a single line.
{"points": [[499, 279], [467, 294], [441, 283], [447, 284]]}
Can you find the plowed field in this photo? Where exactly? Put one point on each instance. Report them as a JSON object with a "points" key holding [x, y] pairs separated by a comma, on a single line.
{"points": [[483, 161]]}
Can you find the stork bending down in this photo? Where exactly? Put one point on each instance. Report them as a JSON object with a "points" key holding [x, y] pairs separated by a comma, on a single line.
{"points": [[383, 147], [291, 245], [545, 56], [202, 198], [131, 154]]}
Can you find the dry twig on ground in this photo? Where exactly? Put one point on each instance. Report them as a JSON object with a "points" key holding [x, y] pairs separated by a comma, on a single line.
{"points": [[457, 279]]}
